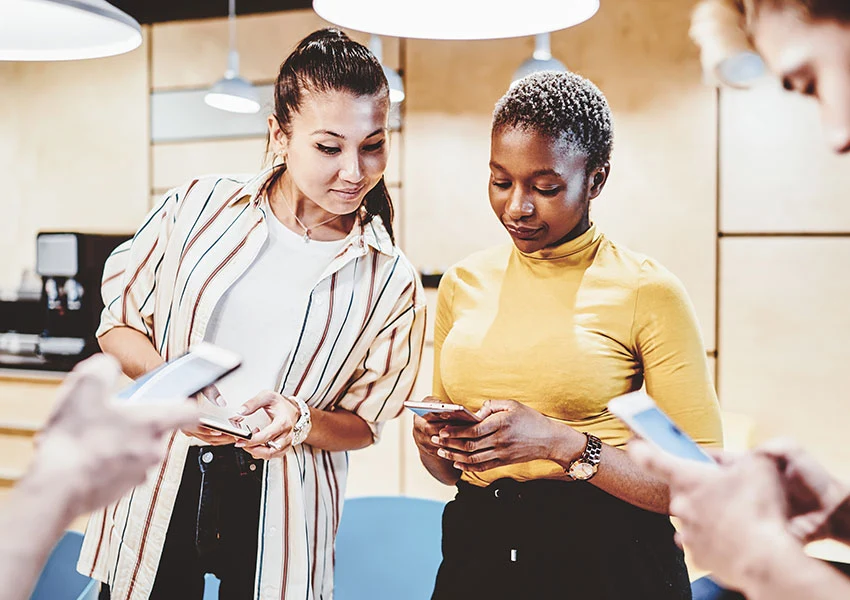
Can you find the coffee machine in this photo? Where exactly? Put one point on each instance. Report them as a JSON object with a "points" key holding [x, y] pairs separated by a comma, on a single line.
{"points": [[71, 268]]}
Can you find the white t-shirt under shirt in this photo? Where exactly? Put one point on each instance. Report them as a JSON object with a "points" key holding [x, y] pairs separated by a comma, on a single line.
{"points": [[259, 317]]}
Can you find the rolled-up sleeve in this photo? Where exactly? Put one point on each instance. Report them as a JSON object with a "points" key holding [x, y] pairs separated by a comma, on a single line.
{"points": [[388, 373], [130, 272]]}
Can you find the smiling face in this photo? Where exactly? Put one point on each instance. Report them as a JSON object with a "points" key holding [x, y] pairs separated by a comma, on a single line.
{"points": [[811, 57], [336, 150], [539, 189]]}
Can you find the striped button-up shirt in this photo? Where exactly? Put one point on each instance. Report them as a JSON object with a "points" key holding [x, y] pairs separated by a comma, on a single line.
{"points": [[358, 349]]}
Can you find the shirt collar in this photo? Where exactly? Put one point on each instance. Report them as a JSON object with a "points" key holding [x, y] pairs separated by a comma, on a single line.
{"points": [[251, 189]]}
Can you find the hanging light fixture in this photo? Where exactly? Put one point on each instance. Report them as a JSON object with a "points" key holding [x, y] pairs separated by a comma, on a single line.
{"points": [[726, 54], [454, 19], [393, 78], [65, 30], [233, 93], [541, 59]]}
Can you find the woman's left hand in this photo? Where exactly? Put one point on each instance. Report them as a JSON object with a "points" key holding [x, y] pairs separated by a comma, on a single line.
{"points": [[274, 439], [509, 433]]}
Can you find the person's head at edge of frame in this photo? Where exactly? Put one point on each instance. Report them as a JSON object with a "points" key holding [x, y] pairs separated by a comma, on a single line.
{"points": [[329, 130], [550, 151], [805, 43]]}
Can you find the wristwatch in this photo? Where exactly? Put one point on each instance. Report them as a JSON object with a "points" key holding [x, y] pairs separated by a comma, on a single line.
{"points": [[586, 465], [302, 426]]}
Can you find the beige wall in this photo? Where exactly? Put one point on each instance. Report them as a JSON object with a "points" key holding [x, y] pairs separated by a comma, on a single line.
{"points": [[66, 147], [784, 293], [73, 150]]}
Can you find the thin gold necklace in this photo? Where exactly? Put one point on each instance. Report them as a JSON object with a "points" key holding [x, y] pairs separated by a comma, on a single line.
{"points": [[307, 230]]}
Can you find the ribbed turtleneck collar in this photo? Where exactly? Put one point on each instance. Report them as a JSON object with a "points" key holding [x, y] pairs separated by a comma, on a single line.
{"points": [[573, 247]]}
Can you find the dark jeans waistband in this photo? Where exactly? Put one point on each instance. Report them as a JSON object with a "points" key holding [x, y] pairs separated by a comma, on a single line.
{"points": [[550, 493], [224, 459]]}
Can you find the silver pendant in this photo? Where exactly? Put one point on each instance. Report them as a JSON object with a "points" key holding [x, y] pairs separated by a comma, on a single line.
{"points": [[306, 236]]}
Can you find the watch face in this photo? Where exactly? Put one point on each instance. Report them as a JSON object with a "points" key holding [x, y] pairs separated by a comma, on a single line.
{"points": [[581, 470]]}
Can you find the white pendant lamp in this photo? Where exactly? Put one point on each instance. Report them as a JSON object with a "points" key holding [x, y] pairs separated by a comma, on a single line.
{"points": [[393, 78], [454, 19], [541, 60], [727, 56], [65, 30], [233, 93]]}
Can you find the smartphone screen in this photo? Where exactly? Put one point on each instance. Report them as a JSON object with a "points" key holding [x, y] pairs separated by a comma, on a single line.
{"points": [[181, 377], [654, 425]]}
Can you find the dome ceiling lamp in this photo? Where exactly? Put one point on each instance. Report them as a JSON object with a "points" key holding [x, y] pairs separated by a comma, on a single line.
{"points": [[42, 30], [454, 19], [541, 59], [233, 93], [393, 78]]}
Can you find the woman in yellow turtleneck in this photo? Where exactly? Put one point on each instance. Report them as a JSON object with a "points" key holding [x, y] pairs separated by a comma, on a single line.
{"points": [[537, 337]]}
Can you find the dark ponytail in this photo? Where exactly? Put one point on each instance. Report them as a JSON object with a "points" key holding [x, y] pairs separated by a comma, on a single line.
{"points": [[328, 60]]}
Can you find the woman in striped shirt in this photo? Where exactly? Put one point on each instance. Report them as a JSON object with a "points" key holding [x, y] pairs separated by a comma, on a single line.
{"points": [[297, 270]]}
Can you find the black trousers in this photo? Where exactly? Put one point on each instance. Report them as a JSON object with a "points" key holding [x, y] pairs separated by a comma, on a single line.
{"points": [[554, 539], [214, 527]]}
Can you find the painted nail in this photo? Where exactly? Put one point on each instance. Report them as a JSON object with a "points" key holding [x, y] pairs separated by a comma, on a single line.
{"points": [[442, 453], [435, 439]]}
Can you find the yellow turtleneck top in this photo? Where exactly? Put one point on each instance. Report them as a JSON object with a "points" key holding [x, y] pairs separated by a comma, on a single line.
{"points": [[564, 330]]}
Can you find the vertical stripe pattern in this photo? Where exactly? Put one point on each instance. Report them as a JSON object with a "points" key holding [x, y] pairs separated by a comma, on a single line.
{"points": [[359, 346]]}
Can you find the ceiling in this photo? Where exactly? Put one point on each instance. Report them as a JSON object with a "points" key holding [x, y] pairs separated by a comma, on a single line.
{"points": [[159, 11]]}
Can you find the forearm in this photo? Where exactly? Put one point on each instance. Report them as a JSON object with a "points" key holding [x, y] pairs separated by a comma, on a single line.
{"points": [[338, 430], [133, 350], [782, 571], [617, 474], [32, 520]]}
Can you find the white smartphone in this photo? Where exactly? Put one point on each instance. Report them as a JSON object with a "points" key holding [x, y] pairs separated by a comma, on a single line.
{"points": [[443, 411], [642, 415], [183, 376]]}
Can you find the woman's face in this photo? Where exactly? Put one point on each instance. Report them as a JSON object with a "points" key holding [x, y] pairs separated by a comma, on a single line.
{"points": [[337, 148], [539, 189], [812, 58]]}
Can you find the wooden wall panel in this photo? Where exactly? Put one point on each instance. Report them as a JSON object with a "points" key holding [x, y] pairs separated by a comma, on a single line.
{"points": [[783, 332], [777, 174], [263, 42], [177, 163], [661, 196], [73, 150]]}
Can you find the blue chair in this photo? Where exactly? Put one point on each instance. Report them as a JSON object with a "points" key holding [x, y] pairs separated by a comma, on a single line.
{"points": [[59, 579], [705, 588], [211, 584], [388, 547]]}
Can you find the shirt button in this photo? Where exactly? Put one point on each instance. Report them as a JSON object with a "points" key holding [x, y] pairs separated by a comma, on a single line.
{"points": [[252, 467], [207, 457]]}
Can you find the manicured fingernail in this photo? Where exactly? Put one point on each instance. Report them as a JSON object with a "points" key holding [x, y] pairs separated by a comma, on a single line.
{"points": [[239, 445], [442, 453], [435, 439], [444, 433], [458, 466]]}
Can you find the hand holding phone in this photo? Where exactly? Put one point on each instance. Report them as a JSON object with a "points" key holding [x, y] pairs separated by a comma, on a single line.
{"points": [[182, 377], [441, 411], [642, 415]]}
